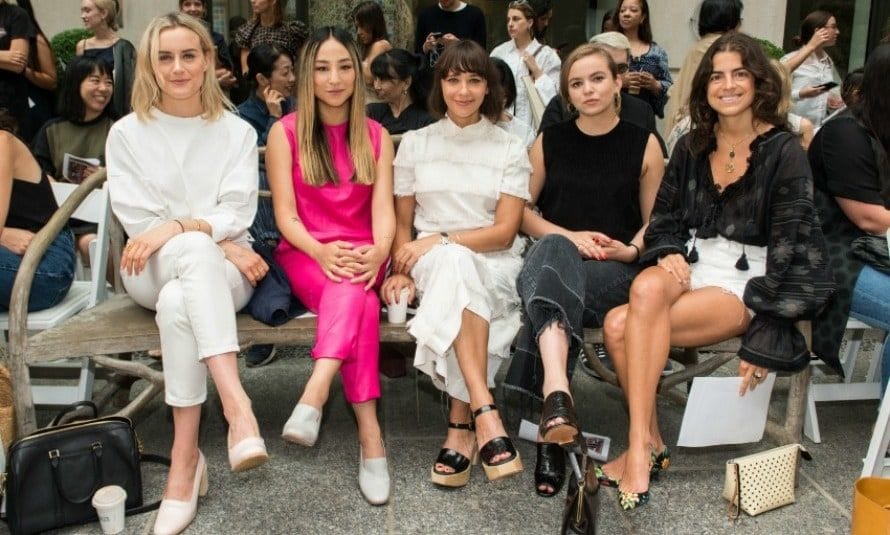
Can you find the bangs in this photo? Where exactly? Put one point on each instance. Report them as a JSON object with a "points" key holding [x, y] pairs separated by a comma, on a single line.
{"points": [[382, 68], [464, 60]]}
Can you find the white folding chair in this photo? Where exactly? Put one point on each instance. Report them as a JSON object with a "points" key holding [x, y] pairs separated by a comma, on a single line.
{"points": [[82, 295], [874, 463], [847, 390]]}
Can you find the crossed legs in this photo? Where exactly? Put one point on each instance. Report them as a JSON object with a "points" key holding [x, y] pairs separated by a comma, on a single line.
{"points": [[660, 313], [471, 348]]}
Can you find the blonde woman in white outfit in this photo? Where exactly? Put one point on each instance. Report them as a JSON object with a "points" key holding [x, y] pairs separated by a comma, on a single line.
{"points": [[182, 175], [526, 56], [462, 183]]}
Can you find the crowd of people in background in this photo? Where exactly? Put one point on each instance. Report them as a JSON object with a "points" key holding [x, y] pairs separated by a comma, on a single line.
{"points": [[516, 194]]}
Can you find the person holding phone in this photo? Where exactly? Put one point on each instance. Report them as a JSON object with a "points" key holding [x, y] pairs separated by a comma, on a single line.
{"points": [[813, 75], [446, 23]]}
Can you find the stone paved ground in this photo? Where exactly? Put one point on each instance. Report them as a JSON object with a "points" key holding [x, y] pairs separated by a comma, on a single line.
{"points": [[315, 491]]}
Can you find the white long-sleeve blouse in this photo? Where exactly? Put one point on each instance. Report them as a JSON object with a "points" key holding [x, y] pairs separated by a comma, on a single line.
{"points": [[179, 168]]}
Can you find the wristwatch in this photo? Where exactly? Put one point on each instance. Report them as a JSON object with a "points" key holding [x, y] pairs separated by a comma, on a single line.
{"points": [[444, 240]]}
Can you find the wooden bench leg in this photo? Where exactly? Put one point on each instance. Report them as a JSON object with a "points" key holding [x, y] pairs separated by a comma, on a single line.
{"points": [[26, 420], [790, 431]]}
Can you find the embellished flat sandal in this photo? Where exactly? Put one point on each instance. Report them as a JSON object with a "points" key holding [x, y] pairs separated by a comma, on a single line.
{"points": [[458, 462], [659, 462], [559, 405], [495, 447]]}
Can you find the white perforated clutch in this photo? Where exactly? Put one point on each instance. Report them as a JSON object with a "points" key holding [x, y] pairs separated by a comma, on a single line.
{"points": [[762, 481]]}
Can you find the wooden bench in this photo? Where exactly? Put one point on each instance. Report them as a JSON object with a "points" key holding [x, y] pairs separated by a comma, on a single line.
{"points": [[120, 326]]}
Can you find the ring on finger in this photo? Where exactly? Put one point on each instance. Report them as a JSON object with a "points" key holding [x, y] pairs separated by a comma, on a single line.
{"points": [[758, 376]]}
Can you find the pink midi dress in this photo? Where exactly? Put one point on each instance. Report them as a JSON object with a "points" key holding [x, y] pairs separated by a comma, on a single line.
{"points": [[348, 316]]}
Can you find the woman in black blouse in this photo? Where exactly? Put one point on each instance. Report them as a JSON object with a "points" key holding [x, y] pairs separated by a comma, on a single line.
{"points": [[593, 182], [397, 86], [849, 162], [735, 234]]}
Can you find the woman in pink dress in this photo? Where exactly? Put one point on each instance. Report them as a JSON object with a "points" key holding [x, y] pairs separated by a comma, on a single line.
{"points": [[330, 172]]}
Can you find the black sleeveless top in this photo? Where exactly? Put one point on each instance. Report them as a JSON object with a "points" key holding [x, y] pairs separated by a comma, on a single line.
{"points": [[593, 182], [105, 55], [30, 205]]}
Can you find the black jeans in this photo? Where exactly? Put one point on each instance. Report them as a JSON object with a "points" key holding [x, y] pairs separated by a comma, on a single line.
{"points": [[557, 285]]}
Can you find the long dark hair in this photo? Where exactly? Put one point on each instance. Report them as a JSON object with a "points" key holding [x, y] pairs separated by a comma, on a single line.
{"points": [[33, 61], [461, 57], [80, 68], [874, 105], [767, 88], [644, 32], [719, 16], [369, 16], [809, 25], [399, 64], [261, 59]]}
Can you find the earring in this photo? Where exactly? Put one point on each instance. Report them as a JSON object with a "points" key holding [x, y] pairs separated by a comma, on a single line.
{"points": [[570, 107], [618, 103]]}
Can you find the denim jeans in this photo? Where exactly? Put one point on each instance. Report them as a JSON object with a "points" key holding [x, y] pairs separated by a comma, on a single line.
{"points": [[52, 278], [871, 305], [556, 284]]}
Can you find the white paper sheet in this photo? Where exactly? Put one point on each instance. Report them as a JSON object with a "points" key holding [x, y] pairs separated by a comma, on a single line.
{"points": [[716, 414]]}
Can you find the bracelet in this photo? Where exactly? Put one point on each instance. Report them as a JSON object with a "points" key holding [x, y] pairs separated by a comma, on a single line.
{"points": [[181, 226], [637, 249]]}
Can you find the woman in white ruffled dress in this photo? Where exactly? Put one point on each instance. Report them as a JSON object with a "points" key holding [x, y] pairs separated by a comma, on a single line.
{"points": [[462, 183]]}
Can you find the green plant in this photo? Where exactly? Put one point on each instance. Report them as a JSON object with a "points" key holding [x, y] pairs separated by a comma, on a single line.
{"points": [[65, 42], [771, 49]]}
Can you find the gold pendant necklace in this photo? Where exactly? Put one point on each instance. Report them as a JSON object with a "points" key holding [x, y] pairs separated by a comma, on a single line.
{"points": [[729, 166]]}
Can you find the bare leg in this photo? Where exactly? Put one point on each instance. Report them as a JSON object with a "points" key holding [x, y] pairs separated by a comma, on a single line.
{"points": [[554, 347], [369, 435], [471, 347], [319, 384], [661, 313], [184, 454], [458, 439], [236, 405]]}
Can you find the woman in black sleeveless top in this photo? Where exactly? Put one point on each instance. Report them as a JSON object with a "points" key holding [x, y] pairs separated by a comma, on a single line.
{"points": [[594, 181], [27, 206]]}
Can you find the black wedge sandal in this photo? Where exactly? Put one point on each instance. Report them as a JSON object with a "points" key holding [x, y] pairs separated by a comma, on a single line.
{"points": [[559, 405], [550, 468], [498, 446], [455, 460]]}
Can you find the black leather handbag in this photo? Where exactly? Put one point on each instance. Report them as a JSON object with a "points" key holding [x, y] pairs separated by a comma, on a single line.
{"points": [[582, 498], [53, 473]]}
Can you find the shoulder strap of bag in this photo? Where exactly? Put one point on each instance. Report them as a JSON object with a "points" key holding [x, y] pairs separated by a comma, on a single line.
{"points": [[155, 459]]}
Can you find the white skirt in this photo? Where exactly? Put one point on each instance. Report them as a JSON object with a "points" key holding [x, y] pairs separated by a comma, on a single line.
{"points": [[717, 258], [449, 279]]}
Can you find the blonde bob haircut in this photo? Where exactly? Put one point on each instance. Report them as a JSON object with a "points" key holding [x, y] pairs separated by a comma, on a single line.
{"points": [[316, 162], [110, 7], [147, 92]]}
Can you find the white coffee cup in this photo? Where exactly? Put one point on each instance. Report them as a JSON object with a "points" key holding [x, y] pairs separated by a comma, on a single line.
{"points": [[397, 311], [111, 504]]}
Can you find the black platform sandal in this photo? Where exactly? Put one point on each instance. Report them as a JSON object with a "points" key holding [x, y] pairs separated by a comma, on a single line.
{"points": [[498, 446], [455, 460], [559, 405], [550, 468]]}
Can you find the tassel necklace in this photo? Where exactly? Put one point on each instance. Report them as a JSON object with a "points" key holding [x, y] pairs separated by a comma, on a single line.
{"points": [[729, 167]]}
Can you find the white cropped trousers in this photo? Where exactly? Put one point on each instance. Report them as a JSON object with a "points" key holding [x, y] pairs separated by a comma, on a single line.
{"points": [[196, 293]]}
